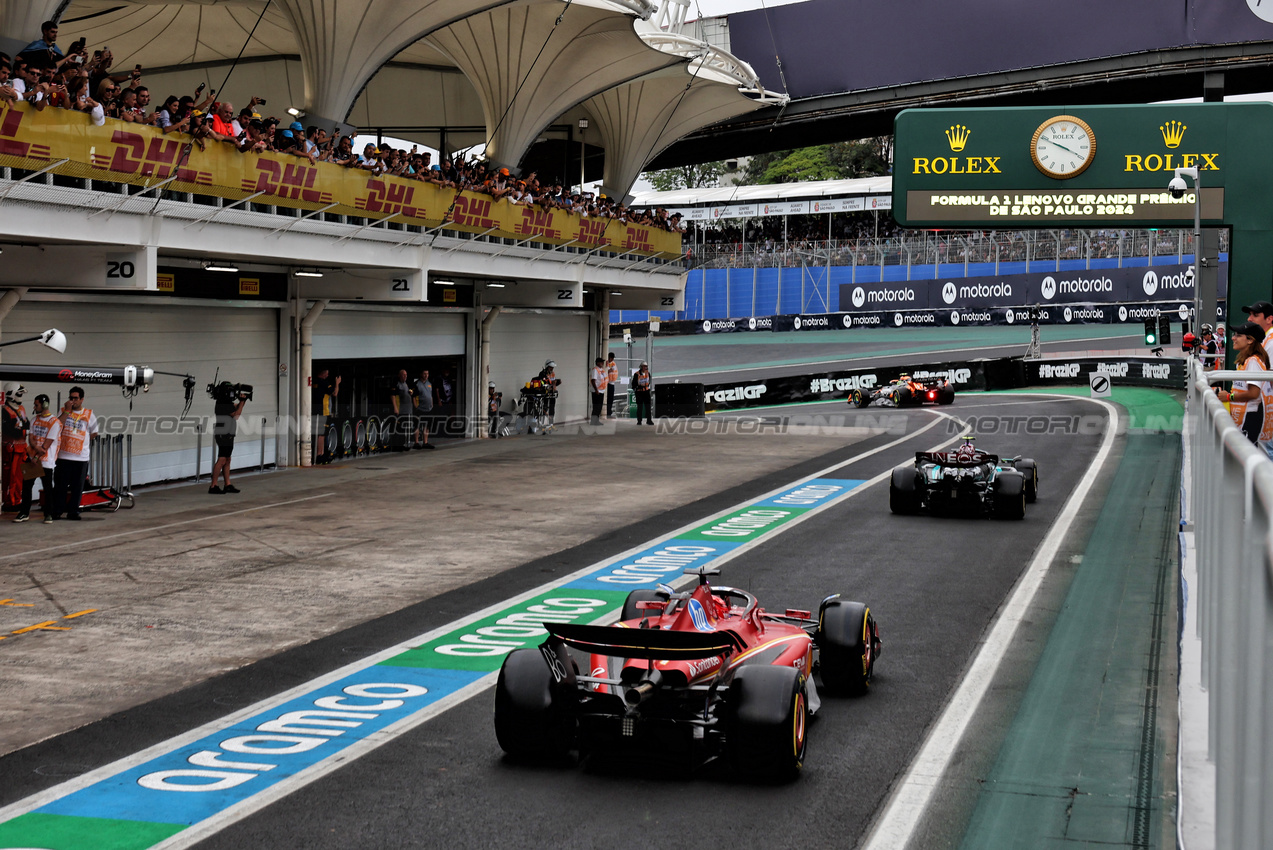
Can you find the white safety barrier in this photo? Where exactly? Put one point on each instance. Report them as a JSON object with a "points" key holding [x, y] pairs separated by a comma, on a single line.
{"points": [[1226, 640]]}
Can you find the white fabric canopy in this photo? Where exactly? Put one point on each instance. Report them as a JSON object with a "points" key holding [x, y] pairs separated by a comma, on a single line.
{"points": [[522, 89], [638, 120]]}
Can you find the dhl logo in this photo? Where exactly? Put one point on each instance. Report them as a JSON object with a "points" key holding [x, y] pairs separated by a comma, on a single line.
{"points": [[474, 212], [387, 197], [637, 239], [160, 158], [537, 223], [290, 180], [592, 231], [10, 146]]}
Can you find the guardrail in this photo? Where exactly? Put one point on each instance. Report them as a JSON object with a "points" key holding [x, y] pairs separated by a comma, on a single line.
{"points": [[1228, 616]]}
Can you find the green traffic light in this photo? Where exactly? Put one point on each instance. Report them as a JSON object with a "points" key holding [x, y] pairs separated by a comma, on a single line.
{"points": [[1151, 339]]}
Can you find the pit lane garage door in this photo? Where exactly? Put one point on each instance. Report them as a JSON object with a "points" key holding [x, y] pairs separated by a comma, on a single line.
{"points": [[521, 342], [241, 342], [365, 335]]}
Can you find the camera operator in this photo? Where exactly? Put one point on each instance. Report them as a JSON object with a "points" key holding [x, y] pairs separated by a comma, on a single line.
{"points": [[230, 399]]}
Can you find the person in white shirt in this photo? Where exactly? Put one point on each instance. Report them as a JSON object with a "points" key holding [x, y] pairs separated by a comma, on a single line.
{"points": [[79, 429]]}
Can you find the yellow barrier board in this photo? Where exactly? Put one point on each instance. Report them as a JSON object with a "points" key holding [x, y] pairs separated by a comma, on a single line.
{"points": [[142, 155]]}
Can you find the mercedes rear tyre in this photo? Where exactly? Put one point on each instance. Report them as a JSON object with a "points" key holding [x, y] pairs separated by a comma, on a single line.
{"points": [[903, 494], [848, 643], [1009, 496], [1030, 470], [767, 721], [530, 722]]}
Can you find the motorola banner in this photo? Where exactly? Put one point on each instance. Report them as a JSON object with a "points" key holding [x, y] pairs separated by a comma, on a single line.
{"points": [[833, 386], [1084, 286], [1139, 371]]}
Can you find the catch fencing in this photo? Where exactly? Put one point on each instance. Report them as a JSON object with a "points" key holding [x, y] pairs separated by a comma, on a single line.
{"points": [[1226, 626]]}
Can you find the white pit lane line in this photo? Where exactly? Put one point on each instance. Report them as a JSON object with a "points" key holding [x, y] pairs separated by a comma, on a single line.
{"points": [[216, 822], [908, 802]]}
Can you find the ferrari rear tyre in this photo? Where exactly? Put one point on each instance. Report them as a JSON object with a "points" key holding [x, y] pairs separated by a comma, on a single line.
{"points": [[903, 495], [768, 719], [1030, 470], [848, 644], [1009, 497], [630, 609], [529, 721]]}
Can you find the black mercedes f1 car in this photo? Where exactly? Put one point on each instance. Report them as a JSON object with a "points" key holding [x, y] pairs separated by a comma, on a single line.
{"points": [[965, 481]]}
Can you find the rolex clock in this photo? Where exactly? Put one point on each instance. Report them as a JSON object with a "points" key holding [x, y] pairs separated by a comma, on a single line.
{"points": [[1063, 147]]}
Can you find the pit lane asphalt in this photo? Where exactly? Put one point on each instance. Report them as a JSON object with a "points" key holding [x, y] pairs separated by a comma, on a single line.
{"points": [[934, 585]]}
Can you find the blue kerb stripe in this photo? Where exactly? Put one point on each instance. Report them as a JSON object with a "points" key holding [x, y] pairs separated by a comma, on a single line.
{"points": [[125, 797], [122, 797], [666, 561]]}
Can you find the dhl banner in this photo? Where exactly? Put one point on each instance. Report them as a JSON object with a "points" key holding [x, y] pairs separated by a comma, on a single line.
{"points": [[142, 155]]}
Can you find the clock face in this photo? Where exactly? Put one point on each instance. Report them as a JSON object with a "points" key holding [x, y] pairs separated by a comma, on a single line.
{"points": [[1063, 147]]}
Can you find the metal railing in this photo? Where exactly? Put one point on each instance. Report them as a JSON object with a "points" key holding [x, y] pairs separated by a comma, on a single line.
{"points": [[1040, 250], [1229, 614]]}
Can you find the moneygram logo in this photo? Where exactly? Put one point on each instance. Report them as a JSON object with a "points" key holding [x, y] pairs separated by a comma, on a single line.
{"points": [[1048, 288], [949, 292]]}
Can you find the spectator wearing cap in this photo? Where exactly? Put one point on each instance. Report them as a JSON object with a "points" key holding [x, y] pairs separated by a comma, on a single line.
{"points": [[1261, 313], [1246, 397]]}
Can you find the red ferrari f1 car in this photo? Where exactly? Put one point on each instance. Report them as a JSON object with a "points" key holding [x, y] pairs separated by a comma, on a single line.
{"points": [[693, 676]]}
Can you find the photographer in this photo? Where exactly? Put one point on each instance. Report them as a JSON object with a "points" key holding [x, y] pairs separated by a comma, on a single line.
{"points": [[230, 399]]}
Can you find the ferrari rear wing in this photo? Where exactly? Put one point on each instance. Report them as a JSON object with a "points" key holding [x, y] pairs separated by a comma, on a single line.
{"points": [[935, 457], [653, 644]]}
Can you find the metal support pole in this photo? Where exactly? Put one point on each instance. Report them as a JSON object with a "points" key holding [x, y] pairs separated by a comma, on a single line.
{"points": [[198, 453], [261, 467]]}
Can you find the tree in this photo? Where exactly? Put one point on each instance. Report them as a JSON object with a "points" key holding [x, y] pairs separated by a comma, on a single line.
{"points": [[686, 176], [836, 161]]}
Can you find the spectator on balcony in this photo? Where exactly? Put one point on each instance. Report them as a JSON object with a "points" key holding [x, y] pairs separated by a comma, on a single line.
{"points": [[344, 152], [169, 118], [254, 138], [8, 94], [224, 126], [129, 111], [44, 52]]}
